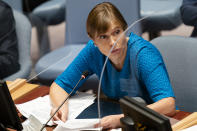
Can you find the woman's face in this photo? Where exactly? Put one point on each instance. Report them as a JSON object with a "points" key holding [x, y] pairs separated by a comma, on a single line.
{"points": [[106, 40]]}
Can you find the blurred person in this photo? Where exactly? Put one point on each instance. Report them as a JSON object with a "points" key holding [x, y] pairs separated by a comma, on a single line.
{"points": [[30, 5], [8, 42], [189, 14], [105, 24]]}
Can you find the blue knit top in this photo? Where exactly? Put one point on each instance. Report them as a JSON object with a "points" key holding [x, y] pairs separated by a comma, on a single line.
{"points": [[143, 74]]}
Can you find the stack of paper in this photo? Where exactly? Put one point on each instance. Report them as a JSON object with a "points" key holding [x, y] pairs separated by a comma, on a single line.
{"points": [[40, 108], [77, 125]]}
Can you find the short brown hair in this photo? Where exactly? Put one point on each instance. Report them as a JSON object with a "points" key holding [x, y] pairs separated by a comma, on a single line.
{"points": [[100, 18]]}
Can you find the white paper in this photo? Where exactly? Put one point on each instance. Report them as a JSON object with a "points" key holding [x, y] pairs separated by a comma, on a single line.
{"points": [[41, 107], [192, 128], [77, 125], [32, 124]]}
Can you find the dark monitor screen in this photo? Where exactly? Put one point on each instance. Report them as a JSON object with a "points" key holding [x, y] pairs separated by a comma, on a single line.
{"points": [[8, 114], [143, 117]]}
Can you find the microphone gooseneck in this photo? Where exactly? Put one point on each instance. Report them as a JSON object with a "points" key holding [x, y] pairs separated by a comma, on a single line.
{"points": [[83, 76]]}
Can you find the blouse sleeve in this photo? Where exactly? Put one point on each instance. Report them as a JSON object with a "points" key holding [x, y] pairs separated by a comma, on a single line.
{"points": [[153, 73], [69, 78]]}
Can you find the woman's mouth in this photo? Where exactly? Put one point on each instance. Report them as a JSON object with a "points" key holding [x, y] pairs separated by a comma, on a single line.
{"points": [[115, 51]]}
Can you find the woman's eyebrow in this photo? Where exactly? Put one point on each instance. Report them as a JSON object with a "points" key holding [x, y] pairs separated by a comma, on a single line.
{"points": [[116, 28]]}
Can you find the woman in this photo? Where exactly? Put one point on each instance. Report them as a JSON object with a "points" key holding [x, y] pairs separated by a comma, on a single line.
{"points": [[105, 24]]}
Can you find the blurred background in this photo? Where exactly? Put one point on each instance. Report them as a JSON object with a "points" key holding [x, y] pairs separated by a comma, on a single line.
{"points": [[48, 20]]}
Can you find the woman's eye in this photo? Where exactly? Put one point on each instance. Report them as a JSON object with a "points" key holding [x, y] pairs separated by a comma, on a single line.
{"points": [[102, 37], [117, 31]]}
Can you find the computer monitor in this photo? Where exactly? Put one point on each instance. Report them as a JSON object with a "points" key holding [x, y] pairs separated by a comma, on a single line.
{"points": [[8, 114], [144, 119]]}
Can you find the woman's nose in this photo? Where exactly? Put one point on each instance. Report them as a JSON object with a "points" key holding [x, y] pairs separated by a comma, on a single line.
{"points": [[112, 41]]}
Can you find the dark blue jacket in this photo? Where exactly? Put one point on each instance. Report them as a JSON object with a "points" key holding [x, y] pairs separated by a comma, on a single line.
{"points": [[191, 2], [8, 42]]}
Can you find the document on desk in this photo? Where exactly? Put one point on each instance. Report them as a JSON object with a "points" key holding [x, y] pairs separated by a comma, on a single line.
{"points": [[79, 125], [32, 124], [192, 128], [41, 107]]}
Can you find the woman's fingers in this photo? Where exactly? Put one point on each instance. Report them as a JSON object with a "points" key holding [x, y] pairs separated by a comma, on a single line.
{"points": [[56, 118], [60, 115], [63, 116], [110, 122]]}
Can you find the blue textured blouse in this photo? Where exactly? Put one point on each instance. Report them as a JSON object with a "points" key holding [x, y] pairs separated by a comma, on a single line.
{"points": [[143, 74]]}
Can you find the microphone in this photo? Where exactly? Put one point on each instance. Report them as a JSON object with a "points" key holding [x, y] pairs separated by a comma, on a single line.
{"points": [[83, 76]]}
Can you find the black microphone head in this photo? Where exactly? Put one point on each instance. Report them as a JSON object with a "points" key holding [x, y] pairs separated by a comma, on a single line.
{"points": [[85, 73]]}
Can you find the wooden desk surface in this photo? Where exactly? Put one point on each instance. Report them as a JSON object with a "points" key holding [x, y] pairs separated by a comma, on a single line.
{"points": [[44, 90], [38, 92]]}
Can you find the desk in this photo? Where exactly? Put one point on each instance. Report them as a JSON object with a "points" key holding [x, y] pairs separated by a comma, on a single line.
{"points": [[44, 90]]}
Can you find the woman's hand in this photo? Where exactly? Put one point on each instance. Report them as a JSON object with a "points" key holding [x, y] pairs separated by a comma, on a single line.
{"points": [[57, 96], [62, 114], [110, 122]]}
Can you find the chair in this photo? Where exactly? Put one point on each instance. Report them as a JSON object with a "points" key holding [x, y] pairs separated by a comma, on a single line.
{"points": [[23, 31], [76, 36], [51, 12], [179, 54], [48, 13], [17, 5], [167, 16]]}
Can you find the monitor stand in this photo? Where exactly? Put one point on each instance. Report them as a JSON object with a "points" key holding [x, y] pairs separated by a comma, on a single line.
{"points": [[128, 123]]}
